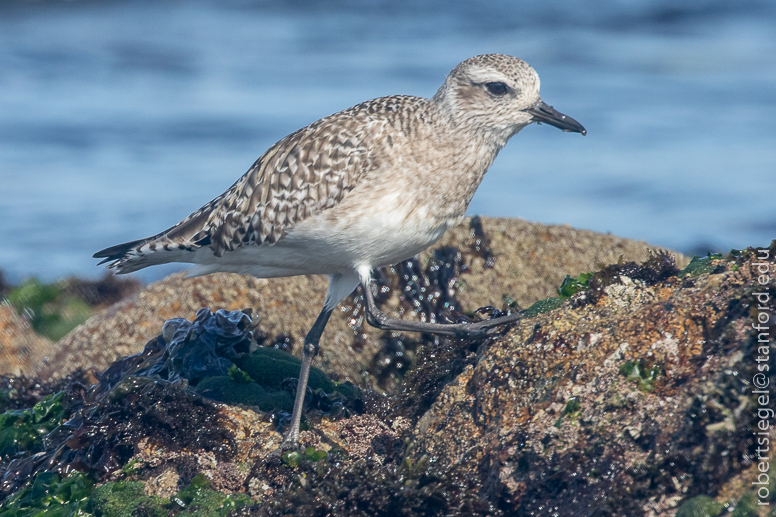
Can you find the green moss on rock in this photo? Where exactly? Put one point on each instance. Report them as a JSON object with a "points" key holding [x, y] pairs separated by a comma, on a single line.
{"points": [[52, 311], [125, 499], [128, 499], [700, 506], [747, 506], [198, 500]]}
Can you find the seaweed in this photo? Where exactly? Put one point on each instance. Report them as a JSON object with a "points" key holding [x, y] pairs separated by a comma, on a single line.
{"points": [[149, 395], [572, 409], [128, 499], [700, 506], [546, 305], [24, 429], [657, 268], [199, 500], [51, 495], [101, 436], [267, 378], [125, 499], [572, 285], [22, 392], [702, 265], [481, 244], [643, 372], [364, 488], [187, 350]]}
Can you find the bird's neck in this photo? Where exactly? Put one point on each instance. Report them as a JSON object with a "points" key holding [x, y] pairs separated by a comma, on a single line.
{"points": [[471, 126]]}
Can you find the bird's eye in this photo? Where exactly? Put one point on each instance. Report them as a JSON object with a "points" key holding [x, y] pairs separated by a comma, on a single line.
{"points": [[498, 89]]}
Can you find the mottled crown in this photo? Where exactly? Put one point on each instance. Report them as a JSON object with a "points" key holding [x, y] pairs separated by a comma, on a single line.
{"points": [[467, 93]]}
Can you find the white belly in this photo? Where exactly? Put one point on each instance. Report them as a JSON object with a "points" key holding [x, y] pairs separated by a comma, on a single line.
{"points": [[325, 245]]}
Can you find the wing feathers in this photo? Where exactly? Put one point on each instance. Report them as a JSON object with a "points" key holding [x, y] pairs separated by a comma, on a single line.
{"points": [[303, 174]]}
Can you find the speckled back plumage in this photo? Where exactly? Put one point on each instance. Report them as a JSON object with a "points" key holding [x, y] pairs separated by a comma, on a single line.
{"points": [[312, 171]]}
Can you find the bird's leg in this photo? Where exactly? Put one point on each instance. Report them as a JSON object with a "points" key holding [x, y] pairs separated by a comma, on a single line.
{"points": [[308, 353], [380, 320]]}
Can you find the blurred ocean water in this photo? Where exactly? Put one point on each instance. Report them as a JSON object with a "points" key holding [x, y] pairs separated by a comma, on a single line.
{"points": [[118, 118]]}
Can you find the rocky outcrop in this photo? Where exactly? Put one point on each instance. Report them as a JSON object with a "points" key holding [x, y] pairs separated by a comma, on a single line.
{"points": [[626, 406], [639, 392], [21, 349], [501, 259]]}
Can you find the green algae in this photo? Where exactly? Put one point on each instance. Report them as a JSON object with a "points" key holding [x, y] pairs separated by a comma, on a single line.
{"points": [[125, 499], [700, 506], [199, 500], [643, 373], [568, 288], [295, 458], [572, 285], [52, 312], [24, 429], [128, 499], [54, 309], [572, 410], [258, 380], [702, 265], [269, 367], [238, 375], [746, 506], [52, 496], [225, 389], [543, 306]]}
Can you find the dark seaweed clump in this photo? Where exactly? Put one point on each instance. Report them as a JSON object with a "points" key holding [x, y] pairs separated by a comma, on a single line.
{"points": [[218, 355], [481, 244], [187, 350], [22, 392], [96, 429], [430, 291], [367, 489], [660, 266], [587, 288], [101, 435], [438, 361]]}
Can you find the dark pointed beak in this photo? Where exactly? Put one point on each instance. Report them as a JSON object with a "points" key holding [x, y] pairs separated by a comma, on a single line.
{"points": [[543, 113]]}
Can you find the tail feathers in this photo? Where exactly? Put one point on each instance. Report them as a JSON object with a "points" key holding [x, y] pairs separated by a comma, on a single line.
{"points": [[118, 251], [135, 255]]}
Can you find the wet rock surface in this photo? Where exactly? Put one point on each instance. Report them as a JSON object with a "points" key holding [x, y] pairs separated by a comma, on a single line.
{"points": [[629, 405], [628, 392]]}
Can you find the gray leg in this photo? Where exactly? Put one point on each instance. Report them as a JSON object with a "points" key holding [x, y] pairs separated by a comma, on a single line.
{"points": [[378, 319], [308, 353]]}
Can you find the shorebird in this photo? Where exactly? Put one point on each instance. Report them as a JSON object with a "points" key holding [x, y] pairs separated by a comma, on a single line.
{"points": [[367, 187]]}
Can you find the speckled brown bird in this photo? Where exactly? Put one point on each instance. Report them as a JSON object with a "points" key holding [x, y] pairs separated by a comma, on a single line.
{"points": [[366, 187]]}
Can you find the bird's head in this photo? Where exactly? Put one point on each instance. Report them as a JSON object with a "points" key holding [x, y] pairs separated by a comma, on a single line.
{"points": [[498, 95]]}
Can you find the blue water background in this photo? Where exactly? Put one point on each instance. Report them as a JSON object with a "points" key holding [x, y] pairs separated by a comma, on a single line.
{"points": [[119, 118]]}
